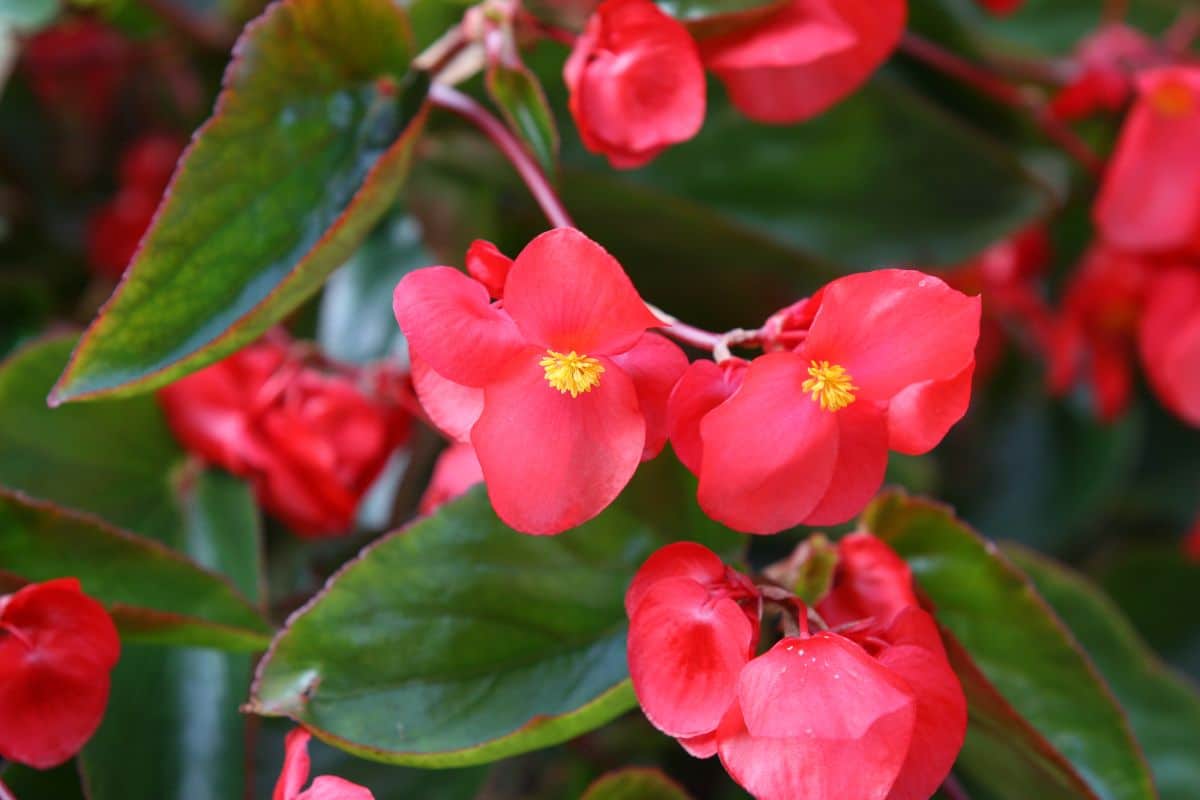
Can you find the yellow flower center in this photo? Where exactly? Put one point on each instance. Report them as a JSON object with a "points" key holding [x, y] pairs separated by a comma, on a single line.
{"points": [[1173, 100], [572, 372], [829, 386]]}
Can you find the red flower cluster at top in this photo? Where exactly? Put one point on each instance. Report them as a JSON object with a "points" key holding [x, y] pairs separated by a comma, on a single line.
{"points": [[296, 766], [312, 443], [116, 228], [1139, 286], [556, 381], [866, 708], [636, 75], [57, 650]]}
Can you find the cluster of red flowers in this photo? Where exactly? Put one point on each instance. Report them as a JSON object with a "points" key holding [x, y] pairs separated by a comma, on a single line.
{"points": [[116, 228], [57, 650], [548, 367], [866, 707], [312, 442], [636, 75]]}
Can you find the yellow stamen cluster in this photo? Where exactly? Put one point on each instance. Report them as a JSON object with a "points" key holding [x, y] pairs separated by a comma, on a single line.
{"points": [[830, 386], [572, 372]]}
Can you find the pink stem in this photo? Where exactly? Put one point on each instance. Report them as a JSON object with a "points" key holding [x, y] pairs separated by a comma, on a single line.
{"points": [[465, 106], [998, 89]]}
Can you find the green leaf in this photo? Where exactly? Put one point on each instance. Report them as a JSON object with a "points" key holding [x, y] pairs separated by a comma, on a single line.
{"points": [[635, 783], [519, 95], [702, 9], [177, 708], [154, 593], [845, 185], [1017, 642], [1163, 709], [28, 16], [307, 148], [458, 641], [356, 322]]}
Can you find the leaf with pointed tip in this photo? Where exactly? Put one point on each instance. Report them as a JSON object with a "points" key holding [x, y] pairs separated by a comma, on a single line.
{"points": [[1163, 708], [306, 149], [459, 641], [1019, 646]]}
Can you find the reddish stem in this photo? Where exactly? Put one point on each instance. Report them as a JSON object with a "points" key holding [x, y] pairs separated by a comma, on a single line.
{"points": [[465, 106], [1000, 90]]}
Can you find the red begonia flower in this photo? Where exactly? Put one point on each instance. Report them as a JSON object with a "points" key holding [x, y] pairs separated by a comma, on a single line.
{"points": [[311, 444], [452, 407], [805, 57], [636, 83], [296, 766], [77, 67], [1169, 340], [1106, 63], [1095, 336], [489, 266], [689, 638], [886, 363], [574, 388], [456, 471], [817, 718], [57, 650], [1150, 199], [870, 582], [703, 387], [1001, 7]]}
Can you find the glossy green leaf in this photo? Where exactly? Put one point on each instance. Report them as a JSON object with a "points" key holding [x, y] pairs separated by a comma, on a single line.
{"points": [[701, 9], [356, 322], [520, 98], [635, 783], [1017, 642], [177, 708], [154, 593], [458, 641], [307, 148], [1163, 709]]}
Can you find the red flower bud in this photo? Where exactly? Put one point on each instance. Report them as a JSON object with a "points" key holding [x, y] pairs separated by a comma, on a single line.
{"points": [[57, 648], [636, 83], [296, 766], [805, 57], [456, 471], [312, 444]]}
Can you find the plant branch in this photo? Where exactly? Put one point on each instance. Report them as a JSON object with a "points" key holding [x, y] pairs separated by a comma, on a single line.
{"points": [[995, 87], [466, 107]]}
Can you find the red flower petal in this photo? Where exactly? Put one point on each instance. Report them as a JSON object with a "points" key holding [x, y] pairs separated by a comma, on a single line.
{"points": [[457, 470], [489, 266], [1150, 199], [703, 387], [686, 650], [1170, 341], [703, 746], [769, 452], [921, 414], [296, 765], [565, 292], [552, 461], [330, 788], [677, 560], [57, 649], [871, 582], [941, 723], [450, 323], [847, 737], [452, 407], [892, 328], [861, 463], [655, 364], [769, 86]]}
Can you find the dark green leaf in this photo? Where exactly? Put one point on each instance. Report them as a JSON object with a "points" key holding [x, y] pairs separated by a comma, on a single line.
{"points": [[177, 708], [1163, 709], [26, 783], [519, 95], [1017, 642], [356, 322], [306, 149], [1158, 589], [458, 641], [153, 593], [635, 783], [702, 9]]}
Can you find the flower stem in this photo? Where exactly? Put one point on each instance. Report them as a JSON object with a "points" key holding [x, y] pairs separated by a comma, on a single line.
{"points": [[466, 107], [995, 87]]}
